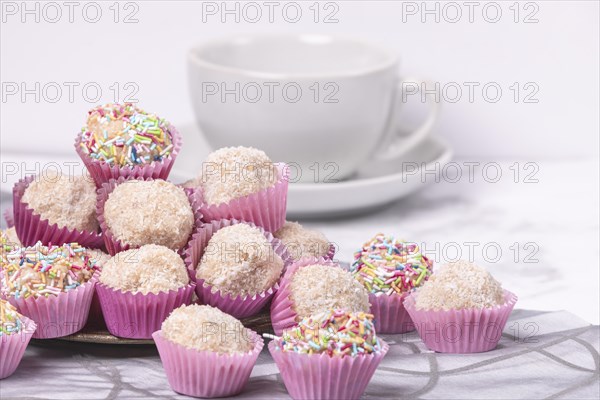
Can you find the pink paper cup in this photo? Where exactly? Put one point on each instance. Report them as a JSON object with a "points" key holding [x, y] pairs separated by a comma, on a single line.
{"points": [[12, 348], [137, 315], [31, 227], [320, 376], [283, 315], [390, 314], [60, 315], [205, 373], [114, 245], [331, 253], [237, 306], [461, 331], [8, 217], [95, 317], [103, 172], [265, 208]]}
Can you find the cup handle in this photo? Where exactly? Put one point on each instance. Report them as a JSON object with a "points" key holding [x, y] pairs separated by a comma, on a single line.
{"points": [[399, 145]]}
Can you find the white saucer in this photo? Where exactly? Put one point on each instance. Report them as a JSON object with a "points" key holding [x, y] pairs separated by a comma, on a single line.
{"points": [[377, 183]]}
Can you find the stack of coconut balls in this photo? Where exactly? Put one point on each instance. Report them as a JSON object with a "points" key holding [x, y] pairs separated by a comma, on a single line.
{"points": [[181, 264]]}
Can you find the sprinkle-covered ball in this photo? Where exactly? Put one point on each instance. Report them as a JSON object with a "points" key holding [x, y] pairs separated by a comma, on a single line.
{"points": [[233, 172], [125, 135], [42, 271], [239, 260], [460, 285], [149, 269], [320, 288], [12, 321], [386, 265], [9, 239], [335, 333], [206, 328], [149, 212], [301, 242], [68, 201]]}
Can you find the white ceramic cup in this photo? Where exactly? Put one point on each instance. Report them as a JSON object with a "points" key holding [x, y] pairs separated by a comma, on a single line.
{"points": [[322, 104]]}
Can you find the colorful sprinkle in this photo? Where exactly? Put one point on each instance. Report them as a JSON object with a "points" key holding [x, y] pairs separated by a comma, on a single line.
{"points": [[125, 135], [386, 265], [11, 320], [336, 333], [43, 271]]}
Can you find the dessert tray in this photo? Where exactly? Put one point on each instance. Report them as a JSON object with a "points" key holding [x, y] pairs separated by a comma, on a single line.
{"points": [[260, 323]]}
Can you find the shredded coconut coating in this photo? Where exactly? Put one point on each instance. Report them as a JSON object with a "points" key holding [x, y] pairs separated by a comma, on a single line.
{"points": [[233, 172], [302, 242], [321, 288], [149, 212], [192, 183], [206, 328], [239, 260], [459, 285], [149, 269], [64, 200]]}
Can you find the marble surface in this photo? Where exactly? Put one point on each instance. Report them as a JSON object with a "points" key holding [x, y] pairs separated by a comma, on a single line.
{"points": [[540, 356]]}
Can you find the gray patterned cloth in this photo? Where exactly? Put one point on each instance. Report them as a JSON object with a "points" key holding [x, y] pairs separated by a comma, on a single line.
{"points": [[542, 355]]}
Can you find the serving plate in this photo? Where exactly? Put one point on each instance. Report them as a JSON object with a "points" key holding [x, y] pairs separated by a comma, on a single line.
{"points": [[260, 323]]}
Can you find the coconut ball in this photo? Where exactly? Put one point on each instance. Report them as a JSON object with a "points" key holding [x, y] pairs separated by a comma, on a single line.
{"points": [[68, 201], [206, 328], [192, 183], [459, 285], [233, 172], [239, 260], [320, 288], [301, 242], [149, 212], [149, 269]]}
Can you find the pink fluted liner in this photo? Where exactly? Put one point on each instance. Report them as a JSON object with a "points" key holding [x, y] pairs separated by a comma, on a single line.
{"points": [[60, 315], [31, 227], [205, 373], [95, 318], [103, 172], [331, 253], [137, 315], [265, 208], [114, 245], [461, 331], [12, 348], [390, 314], [320, 376], [283, 315], [9, 218], [238, 306]]}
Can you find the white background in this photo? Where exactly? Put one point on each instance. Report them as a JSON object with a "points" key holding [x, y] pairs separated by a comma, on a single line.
{"points": [[559, 54]]}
